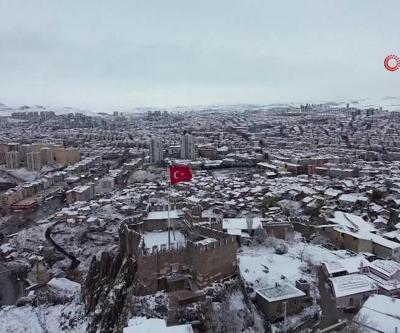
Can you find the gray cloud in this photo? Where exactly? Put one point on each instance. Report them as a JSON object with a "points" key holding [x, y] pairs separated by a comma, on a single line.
{"points": [[103, 54]]}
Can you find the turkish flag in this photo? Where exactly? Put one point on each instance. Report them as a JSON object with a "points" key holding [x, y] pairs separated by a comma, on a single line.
{"points": [[179, 173]]}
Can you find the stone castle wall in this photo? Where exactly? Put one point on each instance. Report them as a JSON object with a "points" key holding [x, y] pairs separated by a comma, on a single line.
{"points": [[207, 263]]}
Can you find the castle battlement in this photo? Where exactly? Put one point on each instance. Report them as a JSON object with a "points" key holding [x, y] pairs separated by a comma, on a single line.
{"points": [[163, 249], [208, 262]]}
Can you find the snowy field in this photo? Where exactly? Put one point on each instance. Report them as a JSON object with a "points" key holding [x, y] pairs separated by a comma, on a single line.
{"points": [[262, 267], [43, 319], [145, 325]]}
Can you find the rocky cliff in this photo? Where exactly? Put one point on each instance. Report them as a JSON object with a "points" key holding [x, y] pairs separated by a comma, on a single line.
{"points": [[109, 291]]}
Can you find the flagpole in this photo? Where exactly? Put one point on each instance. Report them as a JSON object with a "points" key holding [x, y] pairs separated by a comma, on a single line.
{"points": [[169, 206]]}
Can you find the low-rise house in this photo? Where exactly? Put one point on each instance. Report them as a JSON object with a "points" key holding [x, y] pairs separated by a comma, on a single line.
{"points": [[346, 239], [393, 235], [383, 247], [278, 229], [386, 275], [279, 300], [379, 314], [237, 226], [351, 291], [347, 266], [352, 200], [355, 234], [25, 205]]}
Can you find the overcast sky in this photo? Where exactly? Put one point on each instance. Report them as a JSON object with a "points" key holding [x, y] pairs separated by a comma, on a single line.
{"points": [[104, 54]]}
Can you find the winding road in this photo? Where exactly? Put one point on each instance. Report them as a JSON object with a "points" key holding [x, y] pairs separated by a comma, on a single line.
{"points": [[74, 261]]}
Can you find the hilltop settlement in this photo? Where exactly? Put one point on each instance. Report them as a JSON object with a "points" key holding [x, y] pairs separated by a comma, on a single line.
{"points": [[238, 219]]}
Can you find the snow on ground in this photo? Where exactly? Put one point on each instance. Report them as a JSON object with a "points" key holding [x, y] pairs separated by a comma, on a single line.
{"points": [[254, 262], [64, 286], [31, 238], [18, 320], [43, 319], [157, 302], [245, 319], [293, 322], [144, 325], [158, 238], [262, 267], [236, 301], [314, 254], [84, 240]]}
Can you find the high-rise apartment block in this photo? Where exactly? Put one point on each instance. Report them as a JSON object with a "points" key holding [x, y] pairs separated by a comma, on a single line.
{"points": [[67, 156], [12, 160], [34, 161], [13, 146], [47, 155], [156, 150], [23, 150], [3, 151], [187, 147]]}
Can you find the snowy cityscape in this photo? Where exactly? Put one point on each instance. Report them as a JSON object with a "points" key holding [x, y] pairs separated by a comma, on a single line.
{"points": [[263, 219], [207, 166]]}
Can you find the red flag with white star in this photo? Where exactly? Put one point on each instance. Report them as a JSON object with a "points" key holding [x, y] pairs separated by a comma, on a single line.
{"points": [[179, 173]]}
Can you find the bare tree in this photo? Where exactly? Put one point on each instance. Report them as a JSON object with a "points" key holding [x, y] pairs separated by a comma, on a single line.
{"points": [[260, 235]]}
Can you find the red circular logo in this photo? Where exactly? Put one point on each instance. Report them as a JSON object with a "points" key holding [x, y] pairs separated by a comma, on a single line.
{"points": [[392, 62]]}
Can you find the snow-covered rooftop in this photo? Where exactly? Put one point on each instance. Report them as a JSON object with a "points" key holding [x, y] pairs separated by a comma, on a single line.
{"points": [[352, 284], [163, 215], [159, 238], [242, 223], [386, 267], [65, 286], [380, 313], [352, 221], [350, 265], [153, 325], [280, 291], [206, 241]]}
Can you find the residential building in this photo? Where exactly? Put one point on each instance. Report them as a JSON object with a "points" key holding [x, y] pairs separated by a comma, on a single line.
{"points": [[67, 156], [105, 185], [12, 160], [280, 300], [187, 147], [351, 291], [73, 155], [379, 314], [34, 161], [3, 151], [80, 193], [23, 151], [156, 150], [47, 155]]}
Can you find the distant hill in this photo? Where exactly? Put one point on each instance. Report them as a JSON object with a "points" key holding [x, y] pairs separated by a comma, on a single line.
{"points": [[8, 110]]}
